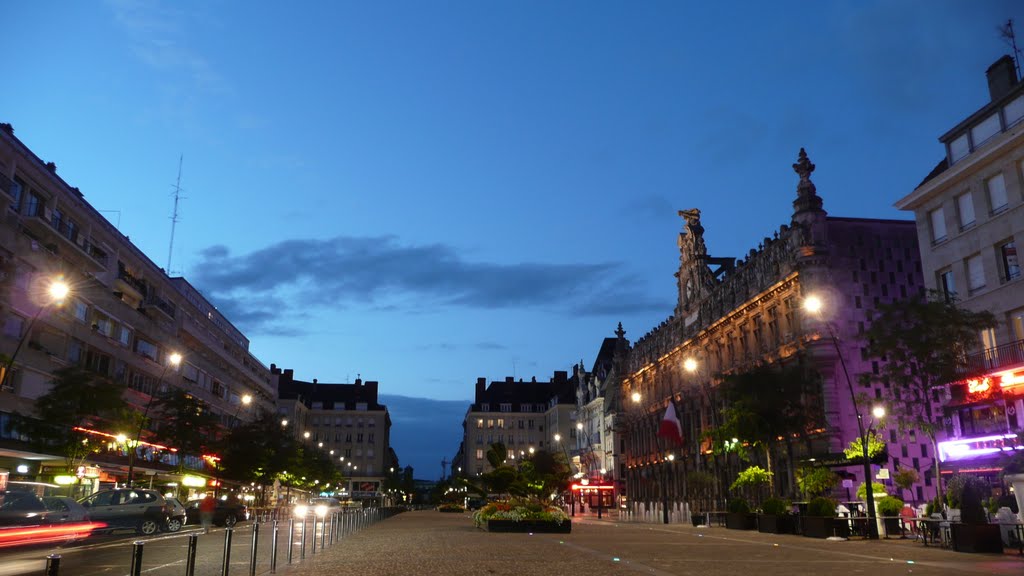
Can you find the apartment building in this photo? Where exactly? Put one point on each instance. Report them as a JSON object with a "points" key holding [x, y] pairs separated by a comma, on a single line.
{"points": [[524, 416], [347, 422], [123, 319], [970, 218]]}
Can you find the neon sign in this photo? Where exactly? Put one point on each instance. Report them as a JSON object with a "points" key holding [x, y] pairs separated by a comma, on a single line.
{"points": [[978, 385], [969, 448]]}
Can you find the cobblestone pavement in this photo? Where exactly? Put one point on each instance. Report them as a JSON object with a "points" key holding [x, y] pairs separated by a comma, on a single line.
{"points": [[433, 543]]}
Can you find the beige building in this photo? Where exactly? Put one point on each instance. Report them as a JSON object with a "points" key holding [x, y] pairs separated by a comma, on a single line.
{"points": [[970, 218], [347, 422], [524, 416], [123, 319]]}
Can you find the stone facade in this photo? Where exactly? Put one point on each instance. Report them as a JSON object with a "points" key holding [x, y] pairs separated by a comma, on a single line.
{"points": [[733, 315]]}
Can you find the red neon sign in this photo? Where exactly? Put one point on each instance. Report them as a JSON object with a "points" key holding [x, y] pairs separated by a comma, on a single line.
{"points": [[591, 487]]}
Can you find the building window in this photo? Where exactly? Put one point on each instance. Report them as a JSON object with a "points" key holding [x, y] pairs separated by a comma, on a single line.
{"points": [[13, 326], [35, 205], [938, 221], [16, 189], [490, 423], [79, 310], [987, 128], [479, 423], [1008, 259], [1017, 324], [506, 407], [947, 284], [143, 347], [501, 423], [975, 273], [996, 187], [124, 335], [361, 406], [485, 407], [959, 148], [965, 210]]}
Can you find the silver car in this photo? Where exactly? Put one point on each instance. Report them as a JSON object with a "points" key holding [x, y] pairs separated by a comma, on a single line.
{"points": [[145, 511]]}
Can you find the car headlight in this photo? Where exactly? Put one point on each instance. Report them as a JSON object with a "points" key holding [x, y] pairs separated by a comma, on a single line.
{"points": [[321, 510], [301, 510]]}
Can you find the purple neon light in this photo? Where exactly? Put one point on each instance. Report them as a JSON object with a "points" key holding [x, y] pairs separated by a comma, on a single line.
{"points": [[962, 449]]}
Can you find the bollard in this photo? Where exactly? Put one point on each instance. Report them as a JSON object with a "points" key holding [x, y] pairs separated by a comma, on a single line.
{"points": [[136, 567], [53, 565], [331, 539], [226, 566], [291, 538], [302, 540], [255, 545], [190, 556], [314, 536], [273, 549], [323, 532]]}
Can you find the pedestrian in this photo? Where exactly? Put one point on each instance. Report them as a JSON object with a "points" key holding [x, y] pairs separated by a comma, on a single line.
{"points": [[206, 508]]}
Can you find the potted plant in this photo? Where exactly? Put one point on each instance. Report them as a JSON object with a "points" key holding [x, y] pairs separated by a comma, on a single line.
{"points": [[751, 481], [521, 515], [973, 533], [889, 508], [775, 517], [738, 515], [450, 507], [821, 521]]}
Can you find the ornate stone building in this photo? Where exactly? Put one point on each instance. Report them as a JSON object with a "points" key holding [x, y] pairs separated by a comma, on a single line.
{"points": [[733, 315]]}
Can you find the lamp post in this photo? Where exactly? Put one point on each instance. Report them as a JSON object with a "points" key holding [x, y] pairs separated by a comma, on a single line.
{"points": [[568, 463], [56, 292], [174, 359], [814, 305]]}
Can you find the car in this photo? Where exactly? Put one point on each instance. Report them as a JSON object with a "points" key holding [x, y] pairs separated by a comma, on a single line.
{"points": [[67, 509], [145, 511], [324, 506], [227, 513], [177, 517], [24, 509]]}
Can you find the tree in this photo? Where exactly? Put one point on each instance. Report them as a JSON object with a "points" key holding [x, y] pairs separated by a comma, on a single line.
{"points": [[922, 343], [77, 399], [185, 421], [767, 404], [855, 450], [905, 478], [817, 481], [752, 482]]}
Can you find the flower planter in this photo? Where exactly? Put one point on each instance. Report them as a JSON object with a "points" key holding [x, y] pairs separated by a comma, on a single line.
{"points": [[824, 527], [772, 524], [699, 519], [451, 510], [893, 529], [741, 521], [548, 526], [976, 538]]}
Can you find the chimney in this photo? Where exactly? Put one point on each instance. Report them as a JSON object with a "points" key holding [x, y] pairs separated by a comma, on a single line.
{"points": [[359, 381], [1002, 77], [510, 379], [481, 387]]}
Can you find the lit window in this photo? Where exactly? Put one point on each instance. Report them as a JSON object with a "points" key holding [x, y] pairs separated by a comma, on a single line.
{"points": [[1008, 258]]}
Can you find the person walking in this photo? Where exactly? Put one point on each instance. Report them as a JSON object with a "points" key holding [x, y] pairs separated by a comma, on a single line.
{"points": [[206, 508]]}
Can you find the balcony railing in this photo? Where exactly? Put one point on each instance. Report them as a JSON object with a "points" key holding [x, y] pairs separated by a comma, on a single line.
{"points": [[993, 359]]}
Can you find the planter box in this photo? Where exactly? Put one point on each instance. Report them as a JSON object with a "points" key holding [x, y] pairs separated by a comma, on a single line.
{"points": [[772, 524], [976, 538], [699, 519], [893, 529], [824, 527], [741, 521], [450, 510], [528, 526]]}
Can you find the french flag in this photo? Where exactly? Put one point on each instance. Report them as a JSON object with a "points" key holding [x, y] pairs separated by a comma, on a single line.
{"points": [[670, 427]]}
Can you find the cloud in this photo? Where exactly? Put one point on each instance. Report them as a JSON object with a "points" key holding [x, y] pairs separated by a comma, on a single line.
{"points": [[383, 273]]}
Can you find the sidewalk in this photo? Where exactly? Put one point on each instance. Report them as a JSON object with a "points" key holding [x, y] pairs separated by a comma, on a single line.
{"points": [[431, 543]]}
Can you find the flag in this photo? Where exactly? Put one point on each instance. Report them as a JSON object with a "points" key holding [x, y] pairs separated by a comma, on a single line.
{"points": [[670, 426]]}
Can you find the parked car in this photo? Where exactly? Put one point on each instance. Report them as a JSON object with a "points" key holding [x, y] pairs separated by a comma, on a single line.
{"points": [[227, 513], [324, 506], [145, 511], [24, 509], [67, 509], [177, 517]]}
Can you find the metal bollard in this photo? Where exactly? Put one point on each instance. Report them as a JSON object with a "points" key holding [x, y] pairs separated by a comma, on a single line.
{"points": [[226, 566], [323, 532], [190, 556], [331, 539], [255, 545], [291, 538], [302, 544], [136, 567], [314, 536], [53, 565], [273, 549]]}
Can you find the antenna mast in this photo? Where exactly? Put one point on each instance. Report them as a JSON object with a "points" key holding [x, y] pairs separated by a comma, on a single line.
{"points": [[1007, 33], [174, 216]]}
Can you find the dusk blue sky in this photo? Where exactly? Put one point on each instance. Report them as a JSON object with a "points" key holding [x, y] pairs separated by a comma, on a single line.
{"points": [[423, 193]]}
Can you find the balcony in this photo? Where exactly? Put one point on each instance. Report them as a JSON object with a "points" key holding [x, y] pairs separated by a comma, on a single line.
{"points": [[995, 359], [127, 282], [158, 303]]}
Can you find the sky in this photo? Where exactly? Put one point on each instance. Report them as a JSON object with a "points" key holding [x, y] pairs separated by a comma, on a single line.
{"points": [[424, 193]]}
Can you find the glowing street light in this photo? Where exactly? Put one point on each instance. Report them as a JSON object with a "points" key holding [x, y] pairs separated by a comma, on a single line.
{"points": [[284, 422], [173, 361], [305, 435], [56, 292], [636, 397]]}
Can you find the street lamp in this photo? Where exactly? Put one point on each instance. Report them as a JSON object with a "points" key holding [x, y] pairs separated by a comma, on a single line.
{"points": [[814, 305], [568, 463], [173, 360], [56, 292]]}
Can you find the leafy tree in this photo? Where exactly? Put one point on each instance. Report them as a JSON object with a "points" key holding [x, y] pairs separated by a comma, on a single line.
{"points": [[77, 398], [816, 481], [922, 342], [752, 481], [876, 488], [768, 403], [855, 450], [905, 478], [185, 421]]}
